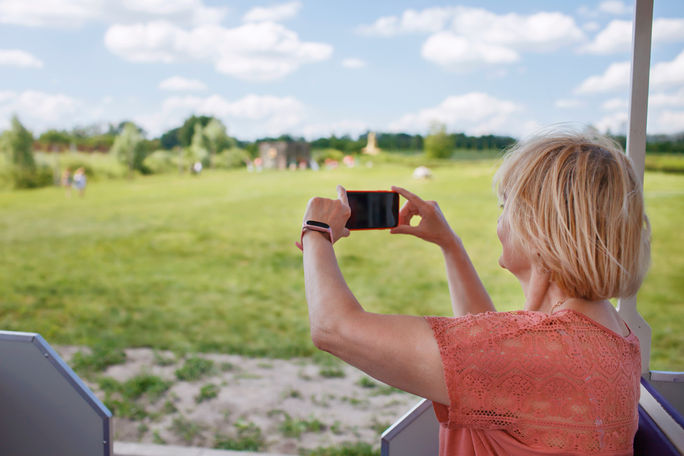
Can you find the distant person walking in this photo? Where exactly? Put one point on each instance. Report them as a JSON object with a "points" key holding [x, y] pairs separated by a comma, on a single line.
{"points": [[80, 181], [197, 167], [65, 181]]}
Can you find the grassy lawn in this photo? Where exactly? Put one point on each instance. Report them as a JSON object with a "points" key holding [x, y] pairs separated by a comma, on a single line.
{"points": [[208, 263]]}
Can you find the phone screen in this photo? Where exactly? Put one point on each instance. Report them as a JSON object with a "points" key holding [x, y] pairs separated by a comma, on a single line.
{"points": [[373, 210]]}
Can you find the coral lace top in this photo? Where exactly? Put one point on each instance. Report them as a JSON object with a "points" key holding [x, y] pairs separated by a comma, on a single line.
{"points": [[528, 383]]}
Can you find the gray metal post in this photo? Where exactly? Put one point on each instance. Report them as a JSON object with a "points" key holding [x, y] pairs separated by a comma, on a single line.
{"points": [[636, 148]]}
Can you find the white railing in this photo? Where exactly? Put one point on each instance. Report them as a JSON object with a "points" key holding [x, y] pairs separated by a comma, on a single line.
{"points": [[636, 148]]}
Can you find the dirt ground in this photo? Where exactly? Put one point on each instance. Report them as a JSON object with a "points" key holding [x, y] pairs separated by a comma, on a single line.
{"points": [[284, 406]]}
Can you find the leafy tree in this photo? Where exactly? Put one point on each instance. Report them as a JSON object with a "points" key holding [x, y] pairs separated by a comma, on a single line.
{"points": [[187, 130], [438, 144], [199, 147], [18, 144], [169, 140], [217, 139], [130, 148], [55, 139], [399, 141], [117, 129]]}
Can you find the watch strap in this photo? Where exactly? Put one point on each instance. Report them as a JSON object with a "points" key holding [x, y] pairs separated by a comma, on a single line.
{"points": [[313, 225]]}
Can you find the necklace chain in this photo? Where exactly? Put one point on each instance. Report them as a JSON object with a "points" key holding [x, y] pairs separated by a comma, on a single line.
{"points": [[558, 304]]}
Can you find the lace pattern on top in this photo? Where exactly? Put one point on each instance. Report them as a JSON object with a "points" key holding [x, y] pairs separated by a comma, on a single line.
{"points": [[557, 381]]}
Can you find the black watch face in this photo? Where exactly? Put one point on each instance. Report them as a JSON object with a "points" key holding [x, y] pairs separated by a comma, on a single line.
{"points": [[315, 223]]}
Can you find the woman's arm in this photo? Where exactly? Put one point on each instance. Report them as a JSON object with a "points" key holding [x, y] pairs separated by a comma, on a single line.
{"points": [[396, 349], [468, 294]]}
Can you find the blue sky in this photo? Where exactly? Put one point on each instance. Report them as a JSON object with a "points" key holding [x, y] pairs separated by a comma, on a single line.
{"points": [[315, 68]]}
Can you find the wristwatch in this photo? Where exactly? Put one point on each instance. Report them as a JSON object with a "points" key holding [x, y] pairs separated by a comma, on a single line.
{"points": [[314, 225]]}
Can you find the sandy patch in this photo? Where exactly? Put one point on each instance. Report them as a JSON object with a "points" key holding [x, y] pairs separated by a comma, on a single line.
{"points": [[291, 404]]}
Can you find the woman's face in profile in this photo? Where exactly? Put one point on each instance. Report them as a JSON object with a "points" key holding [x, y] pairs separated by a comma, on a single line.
{"points": [[513, 257]]}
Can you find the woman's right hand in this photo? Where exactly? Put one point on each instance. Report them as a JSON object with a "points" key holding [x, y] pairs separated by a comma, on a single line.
{"points": [[333, 212], [433, 227]]}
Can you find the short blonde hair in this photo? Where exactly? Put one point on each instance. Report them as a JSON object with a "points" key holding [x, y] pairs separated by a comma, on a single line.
{"points": [[574, 200]]}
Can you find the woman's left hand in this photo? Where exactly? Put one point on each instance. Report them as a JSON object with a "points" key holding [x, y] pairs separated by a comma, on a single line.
{"points": [[334, 212]]}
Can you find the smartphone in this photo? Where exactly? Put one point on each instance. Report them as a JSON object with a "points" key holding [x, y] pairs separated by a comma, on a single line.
{"points": [[373, 210]]}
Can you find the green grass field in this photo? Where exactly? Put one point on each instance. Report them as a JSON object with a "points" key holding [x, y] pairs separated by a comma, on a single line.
{"points": [[209, 264]]}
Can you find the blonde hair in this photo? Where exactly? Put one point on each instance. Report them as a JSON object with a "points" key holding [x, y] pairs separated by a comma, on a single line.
{"points": [[574, 200]]}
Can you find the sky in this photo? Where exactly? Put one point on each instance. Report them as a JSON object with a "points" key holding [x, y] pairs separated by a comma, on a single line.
{"points": [[316, 68]]}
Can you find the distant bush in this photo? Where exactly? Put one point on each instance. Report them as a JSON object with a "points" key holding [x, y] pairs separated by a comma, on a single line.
{"points": [[40, 176], [438, 144], [96, 165], [667, 163], [161, 161], [231, 158], [16, 144], [321, 155], [130, 148]]}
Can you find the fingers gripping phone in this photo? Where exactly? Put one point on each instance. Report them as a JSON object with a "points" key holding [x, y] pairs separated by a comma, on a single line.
{"points": [[373, 210]]}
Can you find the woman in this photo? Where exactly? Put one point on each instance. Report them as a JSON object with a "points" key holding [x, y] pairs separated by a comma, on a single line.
{"points": [[560, 376]]}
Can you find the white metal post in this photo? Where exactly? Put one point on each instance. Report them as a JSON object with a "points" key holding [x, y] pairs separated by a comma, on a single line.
{"points": [[636, 147]]}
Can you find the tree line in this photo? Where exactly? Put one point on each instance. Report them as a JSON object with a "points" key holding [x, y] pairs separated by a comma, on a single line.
{"points": [[204, 138], [96, 139]]}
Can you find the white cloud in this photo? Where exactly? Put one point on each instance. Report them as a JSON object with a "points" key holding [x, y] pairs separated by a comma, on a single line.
{"points": [[660, 99], [16, 57], [568, 103], [353, 63], [539, 32], [668, 73], [177, 11], [616, 123], [249, 116], [76, 13], [462, 37], [586, 11], [614, 7], [39, 110], [179, 83], [253, 51], [352, 128], [615, 77], [617, 36], [429, 20], [668, 30], [54, 13], [615, 104], [450, 50], [591, 26], [474, 113], [276, 13], [666, 122]]}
